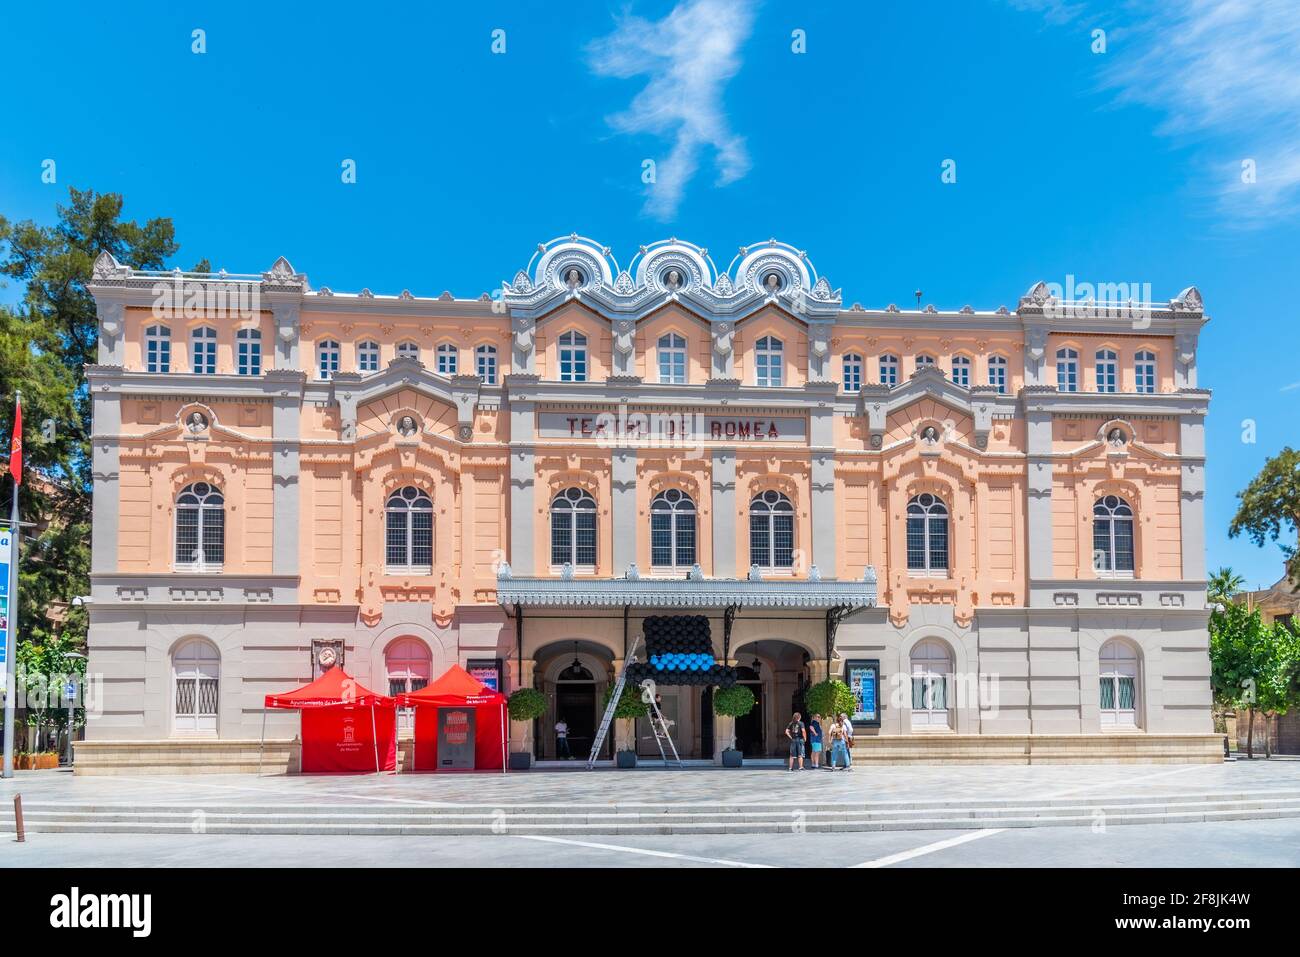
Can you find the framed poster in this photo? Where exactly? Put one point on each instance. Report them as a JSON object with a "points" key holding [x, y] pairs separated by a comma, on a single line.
{"points": [[486, 670], [863, 678], [456, 738]]}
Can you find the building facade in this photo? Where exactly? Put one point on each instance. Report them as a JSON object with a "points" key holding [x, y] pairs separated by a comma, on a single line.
{"points": [[991, 522]]}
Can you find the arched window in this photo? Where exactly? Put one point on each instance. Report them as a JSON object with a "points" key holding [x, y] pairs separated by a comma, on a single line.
{"points": [[927, 535], [931, 668], [771, 531], [448, 356], [408, 533], [196, 675], [1067, 370], [327, 359], [485, 364], [889, 370], [672, 530], [768, 369], [852, 372], [924, 361], [961, 371], [408, 350], [200, 528], [1112, 536], [158, 349], [672, 359], [409, 665], [248, 348], [368, 356], [998, 373], [573, 357], [1118, 676], [203, 349], [1144, 366], [573, 529], [1107, 371]]}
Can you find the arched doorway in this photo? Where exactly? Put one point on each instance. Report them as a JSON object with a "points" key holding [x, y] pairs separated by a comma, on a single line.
{"points": [[408, 663], [777, 672], [573, 676]]}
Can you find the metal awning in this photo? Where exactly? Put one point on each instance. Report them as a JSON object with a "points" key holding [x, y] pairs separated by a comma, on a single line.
{"points": [[690, 592]]}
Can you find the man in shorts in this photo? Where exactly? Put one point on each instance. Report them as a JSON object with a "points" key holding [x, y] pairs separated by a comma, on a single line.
{"points": [[798, 735]]}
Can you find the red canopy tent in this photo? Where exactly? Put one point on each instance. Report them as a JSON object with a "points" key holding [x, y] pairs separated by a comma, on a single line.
{"points": [[458, 691], [336, 735]]}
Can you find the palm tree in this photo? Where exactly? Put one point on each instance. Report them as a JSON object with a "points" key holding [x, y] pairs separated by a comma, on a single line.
{"points": [[1222, 585]]}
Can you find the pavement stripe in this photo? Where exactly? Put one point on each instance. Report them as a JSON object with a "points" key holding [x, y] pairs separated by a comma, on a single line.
{"points": [[931, 848], [637, 850], [1127, 781]]}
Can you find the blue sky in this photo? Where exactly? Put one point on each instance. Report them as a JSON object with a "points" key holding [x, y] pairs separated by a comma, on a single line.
{"points": [[1122, 165]]}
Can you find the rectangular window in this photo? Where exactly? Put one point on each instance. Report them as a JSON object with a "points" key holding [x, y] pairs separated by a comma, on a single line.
{"points": [[938, 545], [852, 374], [187, 536], [585, 522], [760, 542], [487, 366], [998, 374], [205, 355], [1107, 694], [214, 539], [1067, 374], [395, 550], [685, 539], [573, 364], [888, 370], [250, 357], [159, 354], [672, 363], [368, 357], [782, 541], [561, 539], [1146, 373], [422, 538], [1107, 373]]}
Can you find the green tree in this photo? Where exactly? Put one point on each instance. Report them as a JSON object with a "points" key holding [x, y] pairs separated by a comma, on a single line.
{"points": [[1253, 665], [1223, 584], [46, 339], [830, 698], [1270, 508]]}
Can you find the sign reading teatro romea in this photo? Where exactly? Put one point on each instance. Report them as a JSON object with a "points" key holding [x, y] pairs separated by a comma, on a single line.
{"points": [[670, 428]]}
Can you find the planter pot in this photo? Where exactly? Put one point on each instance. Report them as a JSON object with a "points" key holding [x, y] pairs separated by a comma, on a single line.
{"points": [[625, 759], [520, 761], [731, 758]]}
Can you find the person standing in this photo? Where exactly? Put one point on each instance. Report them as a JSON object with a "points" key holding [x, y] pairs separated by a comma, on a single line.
{"points": [[798, 735], [562, 740], [839, 753], [815, 741], [848, 741]]}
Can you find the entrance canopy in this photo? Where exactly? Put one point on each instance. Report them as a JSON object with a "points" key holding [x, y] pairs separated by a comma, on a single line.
{"points": [[460, 724], [346, 727]]}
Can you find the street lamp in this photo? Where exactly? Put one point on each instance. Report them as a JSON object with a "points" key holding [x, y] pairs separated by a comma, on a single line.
{"points": [[70, 696]]}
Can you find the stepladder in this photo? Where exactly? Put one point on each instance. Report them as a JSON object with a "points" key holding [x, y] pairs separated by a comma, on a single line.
{"points": [[608, 717]]}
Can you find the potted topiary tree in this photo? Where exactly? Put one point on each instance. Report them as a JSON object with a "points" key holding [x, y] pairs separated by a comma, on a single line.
{"points": [[829, 698], [525, 706], [730, 704], [630, 707]]}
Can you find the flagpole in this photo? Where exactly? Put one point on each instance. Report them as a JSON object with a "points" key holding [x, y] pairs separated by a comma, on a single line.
{"points": [[15, 533]]}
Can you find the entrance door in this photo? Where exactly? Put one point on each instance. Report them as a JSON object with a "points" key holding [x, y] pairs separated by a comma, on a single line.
{"points": [[749, 728], [575, 705]]}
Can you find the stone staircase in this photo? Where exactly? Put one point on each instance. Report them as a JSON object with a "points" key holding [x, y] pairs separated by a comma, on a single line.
{"points": [[401, 817]]}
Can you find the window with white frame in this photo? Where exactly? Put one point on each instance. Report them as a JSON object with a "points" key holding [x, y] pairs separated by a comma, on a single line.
{"points": [[1067, 370], [200, 528], [961, 371], [408, 350], [1112, 537], [852, 372], [368, 356], [771, 530], [203, 350], [447, 357], [672, 530], [889, 370], [672, 359], [196, 677], [327, 359], [931, 685], [1107, 371], [998, 373], [768, 363], [485, 364], [573, 357], [924, 361], [157, 349], [408, 531], [248, 351], [408, 664], [1144, 367], [573, 529], [927, 535], [1117, 674]]}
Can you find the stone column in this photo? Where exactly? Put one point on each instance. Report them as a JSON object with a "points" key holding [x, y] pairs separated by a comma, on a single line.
{"points": [[285, 503], [822, 508], [724, 513], [105, 458], [522, 478], [1038, 510], [1191, 445], [623, 509], [521, 732]]}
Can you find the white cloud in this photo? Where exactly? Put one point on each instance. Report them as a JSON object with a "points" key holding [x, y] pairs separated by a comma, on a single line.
{"points": [[688, 56], [1225, 73]]}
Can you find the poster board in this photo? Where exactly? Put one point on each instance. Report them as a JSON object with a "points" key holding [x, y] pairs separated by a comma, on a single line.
{"points": [[862, 675]]}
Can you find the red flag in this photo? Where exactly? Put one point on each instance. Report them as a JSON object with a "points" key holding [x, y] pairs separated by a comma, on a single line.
{"points": [[16, 446]]}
